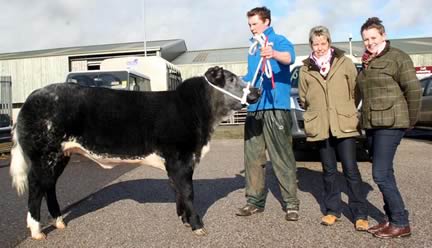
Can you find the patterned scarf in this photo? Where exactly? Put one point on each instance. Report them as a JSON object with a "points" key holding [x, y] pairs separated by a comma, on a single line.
{"points": [[324, 62], [368, 56]]}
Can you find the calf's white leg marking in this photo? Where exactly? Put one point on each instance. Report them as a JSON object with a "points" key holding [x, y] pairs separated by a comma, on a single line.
{"points": [[34, 228], [205, 150]]}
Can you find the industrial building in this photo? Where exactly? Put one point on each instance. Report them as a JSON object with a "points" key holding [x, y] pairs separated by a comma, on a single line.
{"points": [[34, 69]]}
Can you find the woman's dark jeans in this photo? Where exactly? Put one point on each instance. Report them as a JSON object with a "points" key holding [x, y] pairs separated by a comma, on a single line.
{"points": [[382, 147], [346, 149]]}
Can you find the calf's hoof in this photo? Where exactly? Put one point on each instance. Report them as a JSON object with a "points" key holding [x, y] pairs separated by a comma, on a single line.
{"points": [[39, 236], [184, 221], [59, 224], [186, 224], [201, 232]]}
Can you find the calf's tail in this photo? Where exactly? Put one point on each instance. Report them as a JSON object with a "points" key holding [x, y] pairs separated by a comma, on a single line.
{"points": [[19, 167]]}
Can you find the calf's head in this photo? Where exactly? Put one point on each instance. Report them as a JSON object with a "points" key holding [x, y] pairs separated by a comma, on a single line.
{"points": [[233, 84]]}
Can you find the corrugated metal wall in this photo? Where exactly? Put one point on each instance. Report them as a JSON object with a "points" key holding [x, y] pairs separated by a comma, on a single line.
{"points": [[421, 59], [79, 65], [193, 70], [32, 73]]}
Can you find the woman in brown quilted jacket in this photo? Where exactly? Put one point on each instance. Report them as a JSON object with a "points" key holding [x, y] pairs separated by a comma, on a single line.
{"points": [[391, 100], [326, 90]]}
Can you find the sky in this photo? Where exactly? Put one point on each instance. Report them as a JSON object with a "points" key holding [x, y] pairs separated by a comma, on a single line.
{"points": [[27, 25]]}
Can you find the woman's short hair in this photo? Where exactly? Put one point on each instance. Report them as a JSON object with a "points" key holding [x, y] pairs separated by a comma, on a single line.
{"points": [[262, 12], [373, 22], [319, 31]]}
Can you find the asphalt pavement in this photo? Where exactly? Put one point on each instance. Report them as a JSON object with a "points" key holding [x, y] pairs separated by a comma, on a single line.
{"points": [[136, 208], [80, 179]]}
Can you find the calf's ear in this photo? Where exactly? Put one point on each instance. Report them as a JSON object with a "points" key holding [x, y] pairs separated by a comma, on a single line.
{"points": [[216, 76]]}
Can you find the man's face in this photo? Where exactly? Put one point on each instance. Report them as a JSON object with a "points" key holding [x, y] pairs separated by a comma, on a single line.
{"points": [[256, 25]]}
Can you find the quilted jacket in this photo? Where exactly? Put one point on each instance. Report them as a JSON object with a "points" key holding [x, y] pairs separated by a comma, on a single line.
{"points": [[390, 91], [329, 102]]}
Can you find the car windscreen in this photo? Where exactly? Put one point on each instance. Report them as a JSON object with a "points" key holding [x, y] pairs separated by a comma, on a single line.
{"points": [[114, 79]]}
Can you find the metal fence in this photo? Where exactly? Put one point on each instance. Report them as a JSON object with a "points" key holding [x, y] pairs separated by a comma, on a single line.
{"points": [[237, 118], [5, 108]]}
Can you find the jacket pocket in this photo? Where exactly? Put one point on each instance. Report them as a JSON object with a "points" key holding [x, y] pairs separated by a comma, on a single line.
{"points": [[347, 118], [379, 65], [382, 114], [311, 123], [382, 68]]}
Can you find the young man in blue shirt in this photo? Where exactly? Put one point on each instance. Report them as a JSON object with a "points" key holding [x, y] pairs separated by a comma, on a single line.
{"points": [[268, 122]]}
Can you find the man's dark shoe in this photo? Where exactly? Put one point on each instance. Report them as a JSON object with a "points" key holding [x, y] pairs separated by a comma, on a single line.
{"points": [[248, 210], [393, 232], [378, 227], [292, 215]]}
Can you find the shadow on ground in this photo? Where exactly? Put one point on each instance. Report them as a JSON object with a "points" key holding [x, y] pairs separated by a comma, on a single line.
{"points": [[420, 134], [207, 192], [311, 181]]}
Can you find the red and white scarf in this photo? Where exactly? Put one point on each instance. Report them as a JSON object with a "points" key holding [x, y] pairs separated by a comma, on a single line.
{"points": [[368, 56], [324, 62]]}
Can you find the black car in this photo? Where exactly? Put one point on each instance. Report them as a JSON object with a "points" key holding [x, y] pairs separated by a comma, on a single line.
{"points": [[425, 116]]}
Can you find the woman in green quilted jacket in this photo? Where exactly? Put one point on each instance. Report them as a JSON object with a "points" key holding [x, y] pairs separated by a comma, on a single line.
{"points": [[391, 95]]}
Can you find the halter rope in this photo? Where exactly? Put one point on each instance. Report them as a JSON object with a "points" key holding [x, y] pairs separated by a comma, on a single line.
{"points": [[243, 99], [262, 40]]}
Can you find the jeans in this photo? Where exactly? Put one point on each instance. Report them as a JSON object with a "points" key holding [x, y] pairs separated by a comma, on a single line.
{"points": [[270, 130], [383, 144], [346, 149]]}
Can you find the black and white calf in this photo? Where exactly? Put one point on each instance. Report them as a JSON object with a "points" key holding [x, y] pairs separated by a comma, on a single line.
{"points": [[169, 130]]}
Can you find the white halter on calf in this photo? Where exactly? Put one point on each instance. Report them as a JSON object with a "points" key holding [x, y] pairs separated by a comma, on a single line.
{"points": [[243, 99]]}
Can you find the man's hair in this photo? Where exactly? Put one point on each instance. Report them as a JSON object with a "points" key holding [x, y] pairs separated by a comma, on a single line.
{"points": [[262, 12], [319, 31], [373, 22]]}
